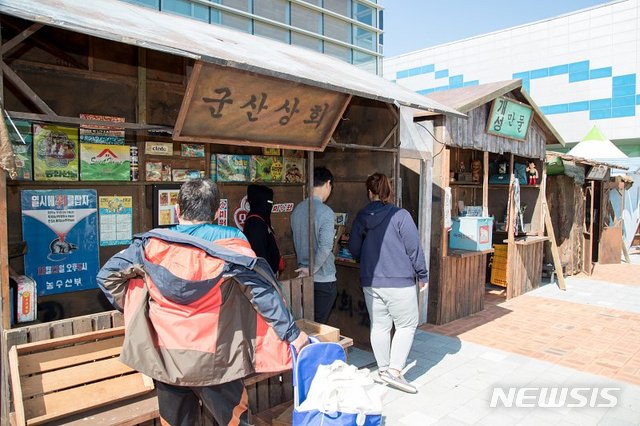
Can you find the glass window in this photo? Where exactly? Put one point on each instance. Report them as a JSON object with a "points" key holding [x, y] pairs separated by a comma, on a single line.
{"points": [[306, 19], [365, 61], [306, 41], [271, 31], [186, 8], [364, 38], [338, 6], [234, 21], [276, 10], [150, 3], [242, 5], [337, 51], [313, 2], [337, 29], [365, 14]]}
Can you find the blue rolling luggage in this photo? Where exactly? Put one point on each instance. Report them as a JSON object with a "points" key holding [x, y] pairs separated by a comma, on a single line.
{"points": [[305, 365]]}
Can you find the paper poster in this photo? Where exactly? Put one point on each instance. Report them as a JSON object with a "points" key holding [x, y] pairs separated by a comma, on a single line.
{"points": [[22, 144], [233, 168], [95, 133], [266, 169], [105, 162], [55, 152], [167, 201], [223, 213], [446, 205], [282, 208], [158, 148], [116, 220], [192, 150], [61, 231], [293, 170]]}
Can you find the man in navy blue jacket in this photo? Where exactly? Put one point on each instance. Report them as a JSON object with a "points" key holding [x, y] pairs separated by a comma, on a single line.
{"points": [[386, 241]]}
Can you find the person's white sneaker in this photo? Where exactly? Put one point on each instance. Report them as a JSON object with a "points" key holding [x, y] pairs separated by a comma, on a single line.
{"points": [[397, 381]]}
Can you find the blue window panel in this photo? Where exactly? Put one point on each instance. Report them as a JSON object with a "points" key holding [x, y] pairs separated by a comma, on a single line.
{"points": [[150, 3], [471, 83], [440, 88], [599, 114], [600, 104], [557, 109], [425, 91], [624, 80], [522, 75], [456, 79], [540, 73], [600, 73], [638, 100], [545, 110], [442, 74], [624, 90], [579, 106], [414, 71], [578, 76], [581, 66], [623, 101], [525, 86], [628, 111], [558, 69], [427, 68], [402, 74]]}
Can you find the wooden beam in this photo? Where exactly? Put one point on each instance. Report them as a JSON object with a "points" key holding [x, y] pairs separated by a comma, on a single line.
{"points": [[12, 44], [25, 89], [60, 119], [554, 247], [391, 133], [4, 250], [485, 184]]}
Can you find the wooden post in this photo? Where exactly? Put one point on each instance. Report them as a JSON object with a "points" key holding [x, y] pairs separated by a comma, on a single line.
{"points": [[554, 247], [511, 246], [310, 167], [485, 184]]}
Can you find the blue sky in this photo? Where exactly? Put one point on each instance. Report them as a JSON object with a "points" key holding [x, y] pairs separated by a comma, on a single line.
{"points": [[416, 24]]}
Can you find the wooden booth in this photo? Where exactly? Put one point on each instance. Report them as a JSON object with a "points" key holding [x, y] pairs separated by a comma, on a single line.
{"points": [[166, 98], [479, 183], [577, 192]]}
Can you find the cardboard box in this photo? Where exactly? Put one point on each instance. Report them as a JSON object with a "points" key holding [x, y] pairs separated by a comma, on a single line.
{"points": [[471, 233], [323, 332]]}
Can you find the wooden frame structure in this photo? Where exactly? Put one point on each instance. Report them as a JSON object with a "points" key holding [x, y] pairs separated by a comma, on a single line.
{"points": [[458, 277]]}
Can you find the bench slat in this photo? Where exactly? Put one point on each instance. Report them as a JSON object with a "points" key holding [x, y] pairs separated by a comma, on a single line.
{"points": [[73, 376], [40, 362], [59, 404]]}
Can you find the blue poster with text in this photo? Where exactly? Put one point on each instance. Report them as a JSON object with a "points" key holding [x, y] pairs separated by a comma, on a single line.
{"points": [[61, 231]]}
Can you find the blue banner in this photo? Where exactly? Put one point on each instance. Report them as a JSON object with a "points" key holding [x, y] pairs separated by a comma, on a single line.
{"points": [[61, 231]]}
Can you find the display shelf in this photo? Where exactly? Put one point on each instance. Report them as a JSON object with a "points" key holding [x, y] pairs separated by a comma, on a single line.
{"points": [[506, 186], [465, 185]]}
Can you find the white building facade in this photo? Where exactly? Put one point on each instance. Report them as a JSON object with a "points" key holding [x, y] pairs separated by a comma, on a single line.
{"points": [[582, 68]]}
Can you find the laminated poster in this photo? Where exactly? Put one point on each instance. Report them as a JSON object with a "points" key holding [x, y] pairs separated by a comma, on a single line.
{"points": [[105, 162], [22, 144], [192, 150], [61, 231], [116, 220], [293, 170], [266, 169], [167, 201], [55, 152], [233, 168], [95, 133]]}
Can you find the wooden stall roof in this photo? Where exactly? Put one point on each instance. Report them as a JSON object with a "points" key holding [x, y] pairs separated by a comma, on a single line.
{"points": [[469, 98], [151, 29], [585, 160]]}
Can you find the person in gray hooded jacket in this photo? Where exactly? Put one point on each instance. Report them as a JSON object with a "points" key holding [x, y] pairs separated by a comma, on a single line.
{"points": [[385, 240]]}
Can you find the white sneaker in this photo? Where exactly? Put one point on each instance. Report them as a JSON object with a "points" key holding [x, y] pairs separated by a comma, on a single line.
{"points": [[397, 381]]}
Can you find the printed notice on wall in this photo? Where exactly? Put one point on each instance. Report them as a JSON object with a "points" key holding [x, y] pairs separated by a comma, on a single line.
{"points": [[116, 220]]}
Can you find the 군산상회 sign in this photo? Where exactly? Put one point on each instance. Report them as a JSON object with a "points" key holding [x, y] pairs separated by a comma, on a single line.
{"points": [[226, 105], [509, 118]]}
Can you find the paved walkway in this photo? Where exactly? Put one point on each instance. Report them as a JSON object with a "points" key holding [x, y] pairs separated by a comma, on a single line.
{"points": [[545, 338]]}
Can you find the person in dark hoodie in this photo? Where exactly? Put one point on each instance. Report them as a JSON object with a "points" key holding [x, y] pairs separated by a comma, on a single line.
{"points": [[385, 240], [257, 226]]}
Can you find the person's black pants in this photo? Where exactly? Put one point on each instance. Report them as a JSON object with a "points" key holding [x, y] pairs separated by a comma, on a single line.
{"points": [[179, 406], [324, 294]]}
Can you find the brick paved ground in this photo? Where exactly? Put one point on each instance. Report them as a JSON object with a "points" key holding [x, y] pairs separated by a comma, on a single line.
{"points": [[622, 273]]}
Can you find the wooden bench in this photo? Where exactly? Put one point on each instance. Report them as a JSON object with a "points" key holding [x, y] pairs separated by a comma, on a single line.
{"points": [[57, 378]]}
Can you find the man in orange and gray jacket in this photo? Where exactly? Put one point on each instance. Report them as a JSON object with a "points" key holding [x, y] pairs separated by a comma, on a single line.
{"points": [[201, 311]]}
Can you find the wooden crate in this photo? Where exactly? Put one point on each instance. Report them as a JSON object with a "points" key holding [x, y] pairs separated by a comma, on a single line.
{"points": [[323, 332]]}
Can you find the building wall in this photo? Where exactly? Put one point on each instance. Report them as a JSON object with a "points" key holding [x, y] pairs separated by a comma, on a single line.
{"points": [[347, 29], [582, 68]]}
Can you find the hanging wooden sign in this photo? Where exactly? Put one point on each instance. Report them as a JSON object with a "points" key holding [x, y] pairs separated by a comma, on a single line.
{"points": [[509, 118], [227, 106]]}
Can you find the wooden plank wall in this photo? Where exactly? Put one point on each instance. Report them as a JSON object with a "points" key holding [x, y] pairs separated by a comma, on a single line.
{"points": [[461, 290], [526, 265], [470, 133]]}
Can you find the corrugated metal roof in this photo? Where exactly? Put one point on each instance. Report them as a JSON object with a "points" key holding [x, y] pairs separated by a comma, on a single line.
{"points": [[140, 26]]}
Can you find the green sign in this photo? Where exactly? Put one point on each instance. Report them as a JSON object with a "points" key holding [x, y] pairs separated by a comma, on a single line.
{"points": [[509, 118]]}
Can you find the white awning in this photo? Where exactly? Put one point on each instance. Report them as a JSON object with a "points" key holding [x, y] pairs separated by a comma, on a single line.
{"points": [[151, 29]]}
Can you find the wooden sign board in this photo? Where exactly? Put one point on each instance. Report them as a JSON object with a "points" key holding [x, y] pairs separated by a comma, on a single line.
{"points": [[597, 172], [509, 118], [229, 106]]}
